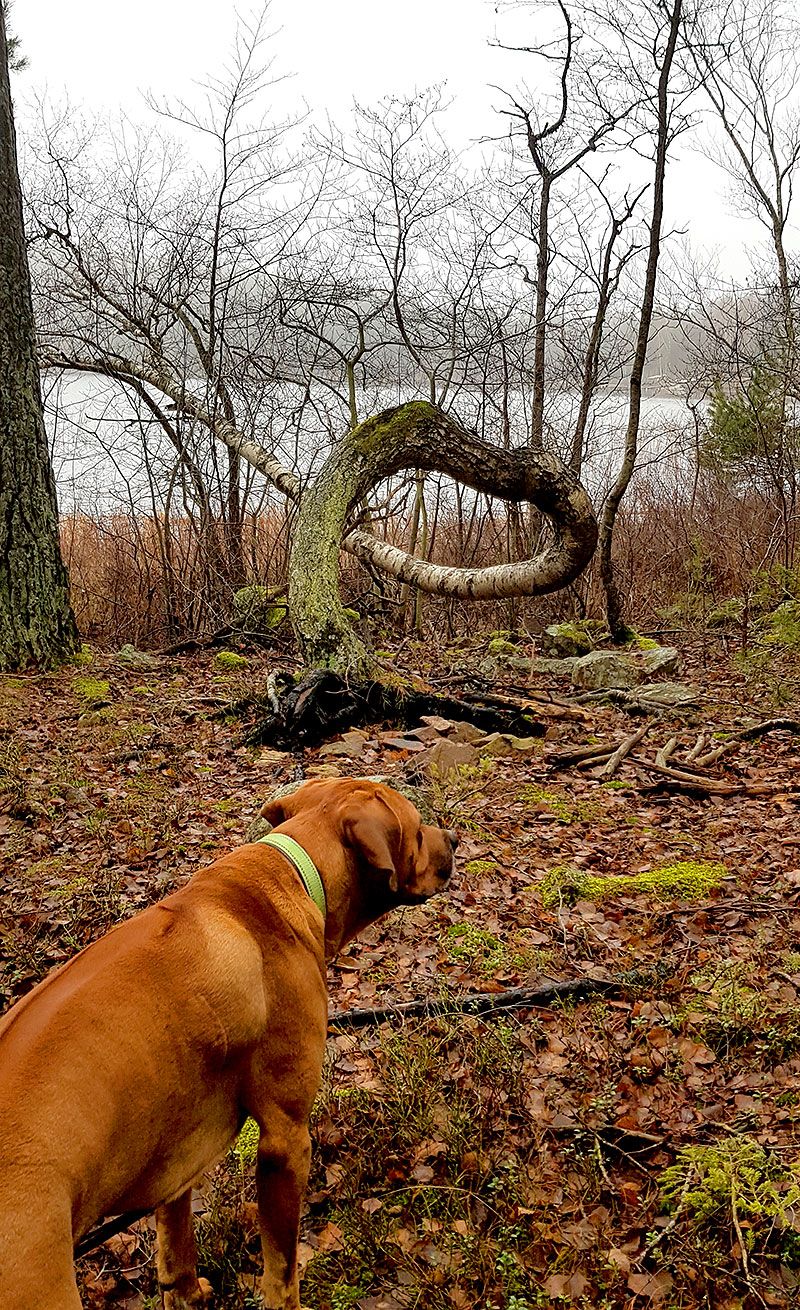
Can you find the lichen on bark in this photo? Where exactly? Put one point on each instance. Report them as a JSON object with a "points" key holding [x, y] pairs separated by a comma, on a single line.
{"points": [[420, 436]]}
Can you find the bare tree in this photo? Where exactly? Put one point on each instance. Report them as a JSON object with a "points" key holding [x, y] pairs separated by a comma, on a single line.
{"points": [[746, 59], [658, 41]]}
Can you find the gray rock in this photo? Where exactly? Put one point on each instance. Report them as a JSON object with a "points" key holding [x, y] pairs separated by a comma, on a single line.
{"points": [[602, 669], [505, 743], [559, 668], [136, 659], [661, 659], [461, 730]]}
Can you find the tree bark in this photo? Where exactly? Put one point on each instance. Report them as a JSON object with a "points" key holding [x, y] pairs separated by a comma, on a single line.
{"points": [[37, 625], [613, 601], [418, 435]]}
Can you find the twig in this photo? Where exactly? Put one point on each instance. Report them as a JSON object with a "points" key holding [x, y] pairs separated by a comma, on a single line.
{"points": [[749, 734], [663, 755], [576, 754], [670, 1227], [485, 1003], [692, 779], [608, 770], [699, 747]]}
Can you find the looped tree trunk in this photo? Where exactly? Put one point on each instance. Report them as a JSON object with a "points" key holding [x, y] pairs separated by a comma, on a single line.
{"points": [[420, 436]]}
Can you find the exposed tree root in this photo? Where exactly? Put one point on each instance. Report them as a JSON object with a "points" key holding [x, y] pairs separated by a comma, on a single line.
{"points": [[324, 704]]}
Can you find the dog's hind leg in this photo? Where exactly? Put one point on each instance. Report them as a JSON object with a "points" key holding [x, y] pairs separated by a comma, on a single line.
{"points": [[176, 1259]]}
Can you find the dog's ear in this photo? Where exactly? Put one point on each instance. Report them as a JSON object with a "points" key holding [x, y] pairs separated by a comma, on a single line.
{"points": [[369, 836], [274, 812]]}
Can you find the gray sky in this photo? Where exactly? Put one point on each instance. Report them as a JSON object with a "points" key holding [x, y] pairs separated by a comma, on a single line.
{"points": [[105, 55]]}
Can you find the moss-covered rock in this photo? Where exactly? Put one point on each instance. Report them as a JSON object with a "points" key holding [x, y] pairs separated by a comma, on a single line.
{"points": [[228, 661], [563, 639], [602, 669], [500, 645], [91, 693], [256, 609], [687, 880]]}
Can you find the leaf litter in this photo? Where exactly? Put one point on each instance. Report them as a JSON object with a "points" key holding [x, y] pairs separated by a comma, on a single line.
{"points": [[507, 1163]]}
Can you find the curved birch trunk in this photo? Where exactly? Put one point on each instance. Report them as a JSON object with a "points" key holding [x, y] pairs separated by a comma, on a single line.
{"points": [[420, 436]]}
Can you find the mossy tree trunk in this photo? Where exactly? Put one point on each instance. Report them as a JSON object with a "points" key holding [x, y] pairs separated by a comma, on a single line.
{"points": [[420, 436], [37, 625]]}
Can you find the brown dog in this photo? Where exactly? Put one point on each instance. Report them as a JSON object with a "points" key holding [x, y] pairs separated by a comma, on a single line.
{"points": [[128, 1072]]}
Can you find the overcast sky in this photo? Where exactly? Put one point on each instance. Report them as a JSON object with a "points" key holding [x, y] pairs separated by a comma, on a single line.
{"points": [[106, 55]]}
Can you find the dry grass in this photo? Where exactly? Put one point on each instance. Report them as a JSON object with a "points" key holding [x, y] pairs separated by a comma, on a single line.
{"points": [[680, 552]]}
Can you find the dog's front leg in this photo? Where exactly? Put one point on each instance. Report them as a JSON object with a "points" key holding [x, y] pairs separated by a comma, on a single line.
{"points": [[176, 1260], [284, 1157]]}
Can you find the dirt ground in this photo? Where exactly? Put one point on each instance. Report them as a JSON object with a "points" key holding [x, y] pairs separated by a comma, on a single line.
{"points": [[633, 1151]]}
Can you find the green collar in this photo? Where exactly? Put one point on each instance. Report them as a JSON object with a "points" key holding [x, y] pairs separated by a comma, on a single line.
{"points": [[303, 864]]}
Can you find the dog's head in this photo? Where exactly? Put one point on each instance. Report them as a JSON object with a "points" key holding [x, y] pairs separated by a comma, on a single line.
{"points": [[403, 861]]}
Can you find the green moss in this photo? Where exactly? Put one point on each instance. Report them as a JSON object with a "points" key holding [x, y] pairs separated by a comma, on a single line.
{"points": [[569, 638], [82, 657], [227, 661], [478, 867], [688, 880], [256, 609], [500, 645], [475, 946], [245, 1148], [90, 690], [565, 809]]}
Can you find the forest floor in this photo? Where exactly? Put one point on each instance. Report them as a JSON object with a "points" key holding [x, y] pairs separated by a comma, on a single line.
{"points": [[629, 1152]]}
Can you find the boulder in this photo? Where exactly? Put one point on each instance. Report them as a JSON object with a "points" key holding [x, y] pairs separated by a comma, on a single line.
{"points": [[661, 659], [136, 659], [558, 668], [562, 639], [605, 668], [445, 757], [256, 610]]}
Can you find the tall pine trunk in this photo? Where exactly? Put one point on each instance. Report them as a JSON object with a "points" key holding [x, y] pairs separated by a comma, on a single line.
{"points": [[37, 625]]}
